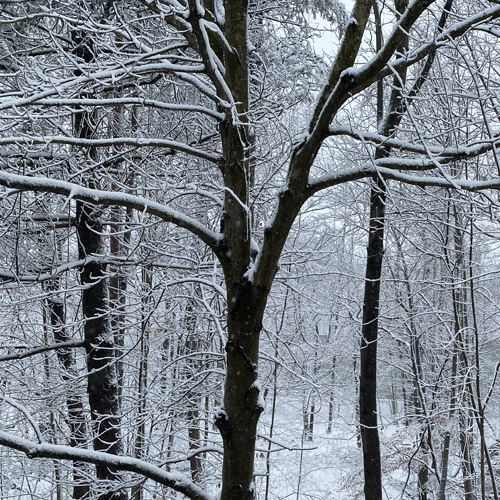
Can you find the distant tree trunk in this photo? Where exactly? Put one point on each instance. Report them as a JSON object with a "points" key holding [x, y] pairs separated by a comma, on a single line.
{"points": [[331, 400], [76, 416], [118, 243], [102, 373], [467, 463], [102, 385], [368, 420], [275, 394], [142, 389], [423, 479], [193, 402], [462, 329], [356, 411], [52, 417], [387, 124], [447, 435], [417, 402], [480, 406], [117, 290], [308, 408]]}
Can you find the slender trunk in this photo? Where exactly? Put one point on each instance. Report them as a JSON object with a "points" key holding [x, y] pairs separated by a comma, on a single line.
{"points": [[312, 412], [418, 397], [140, 439], [275, 394], [271, 427], [102, 374], [356, 410], [193, 403], [76, 415], [117, 292], [102, 383], [467, 464], [331, 400], [368, 383], [119, 240], [447, 435], [371, 302], [308, 414], [194, 435], [52, 417], [423, 476], [368, 353]]}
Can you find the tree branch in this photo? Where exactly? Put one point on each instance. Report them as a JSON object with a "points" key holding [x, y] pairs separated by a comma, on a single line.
{"points": [[127, 101], [171, 479], [447, 153], [111, 141], [40, 350], [105, 198]]}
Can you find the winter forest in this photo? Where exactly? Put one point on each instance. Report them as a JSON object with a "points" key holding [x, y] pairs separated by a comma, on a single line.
{"points": [[250, 249]]}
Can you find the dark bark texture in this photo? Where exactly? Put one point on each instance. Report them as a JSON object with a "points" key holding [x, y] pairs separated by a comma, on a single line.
{"points": [[103, 383], [368, 372], [102, 373], [76, 415]]}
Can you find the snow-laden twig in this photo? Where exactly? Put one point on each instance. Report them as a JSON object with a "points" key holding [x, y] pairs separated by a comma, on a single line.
{"points": [[27, 414]]}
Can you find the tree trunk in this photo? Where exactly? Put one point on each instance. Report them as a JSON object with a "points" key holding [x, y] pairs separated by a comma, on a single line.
{"points": [[237, 421], [193, 400], [467, 464], [243, 403], [117, 290], [447, 435], [368, 354], [52, 417], [102, 374], [142, 389], [76, 416], [103, 383], [331, 400]]}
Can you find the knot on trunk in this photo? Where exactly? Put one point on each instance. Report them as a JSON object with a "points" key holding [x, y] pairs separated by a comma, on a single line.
{"points": [[234, 347], [222, 423]]}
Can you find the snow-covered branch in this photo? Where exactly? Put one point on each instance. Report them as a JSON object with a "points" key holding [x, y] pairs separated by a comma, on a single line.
{"points": [[365, 76], [424, 181], [111, 141], [45, 450], [112, 76], [27, 353], [7, 276], [129, 101], [455, 153], [370, 169], [352, 80], [107, 198]]}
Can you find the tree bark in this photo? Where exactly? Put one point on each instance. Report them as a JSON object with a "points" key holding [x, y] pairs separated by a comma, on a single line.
{"points": [[368, 354], [237, 421], [103, 383], [76, 416], [142, 389], [193, 400]]}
